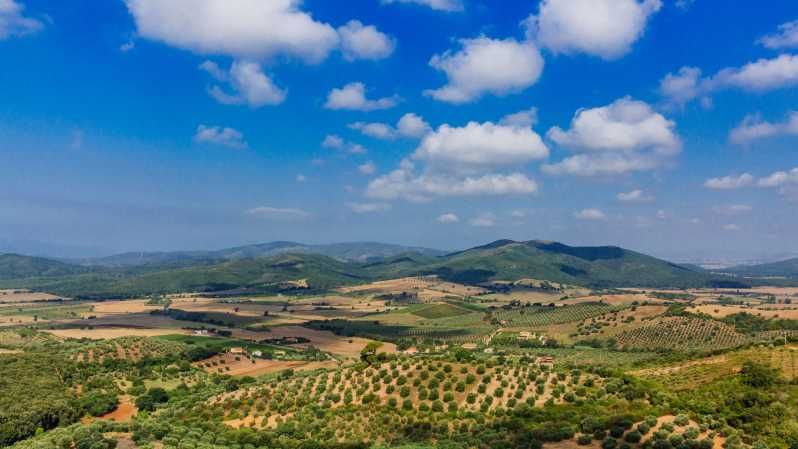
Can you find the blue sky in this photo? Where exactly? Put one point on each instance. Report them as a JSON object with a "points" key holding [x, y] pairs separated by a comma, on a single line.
{"points": [[662, 126]]}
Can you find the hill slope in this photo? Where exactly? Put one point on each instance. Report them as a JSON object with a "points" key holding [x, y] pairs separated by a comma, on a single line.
{"points": [[14, 266], [785, 268], [354, 251], [600, 266]]}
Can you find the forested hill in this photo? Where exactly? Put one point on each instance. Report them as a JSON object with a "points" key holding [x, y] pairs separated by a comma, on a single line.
{"points": [[506, 260]]}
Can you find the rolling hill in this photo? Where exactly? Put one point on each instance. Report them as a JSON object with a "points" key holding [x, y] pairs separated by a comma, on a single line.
{"points": [[785, 268], [247, 270], [15, 266], [354, 251], [600, 266]]}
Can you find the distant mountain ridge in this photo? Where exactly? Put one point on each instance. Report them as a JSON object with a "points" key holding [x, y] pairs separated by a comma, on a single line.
{"points": [[258, 268], [785, 268], [354, 251]]}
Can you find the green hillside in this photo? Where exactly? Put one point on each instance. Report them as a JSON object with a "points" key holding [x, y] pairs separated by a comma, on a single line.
{"points": [[596, 267], [14, 266], [785, 268], [600, 266]]}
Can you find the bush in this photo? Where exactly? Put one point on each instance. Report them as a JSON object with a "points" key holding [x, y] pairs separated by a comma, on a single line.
{"points": [[584, 440], [609, 443], [633, 437]]}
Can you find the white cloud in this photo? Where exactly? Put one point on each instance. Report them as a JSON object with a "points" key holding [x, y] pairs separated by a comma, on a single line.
{"points": [[447, 218], [484, 65], [733, 209], [480, 145], [486, 220], [635, 196], [780, 179], [404, 183], [376, 130], [368, 168], [590, 215], [247, 29], [353, 97], [681, 87], [409, 126], [786, 37], [412, 126], [439, 5], [14, 23], [604, 28], [754, 128], [762, 75], [364, 42], [277, 213], [250, 85], [662, 215], [525, 119], [518, 213], [333, 141], [729, 182], [366, 208], [127, 46], [625, 136], [218, 135], [464, 161], [301, 178], [731, 227]]}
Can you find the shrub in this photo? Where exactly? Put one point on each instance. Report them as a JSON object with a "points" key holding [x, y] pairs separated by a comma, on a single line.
{"points": [[609, 443], [633, 436], [584, 440]]}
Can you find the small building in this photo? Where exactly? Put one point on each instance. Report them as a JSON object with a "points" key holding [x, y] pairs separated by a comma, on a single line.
{"points": [[201, 332], [488, 351], [256, 354], [525, 335], [545, 360], [279, 353], [237, 350]]}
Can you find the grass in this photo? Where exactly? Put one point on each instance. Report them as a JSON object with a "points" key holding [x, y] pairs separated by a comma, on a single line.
{"points": [[435, 311], [542, 316], [48, 311]]}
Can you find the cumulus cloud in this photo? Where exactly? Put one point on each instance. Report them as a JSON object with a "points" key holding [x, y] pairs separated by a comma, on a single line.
{"points": [[367, 208], [447, 218], [729, 182], [368, 168], [590, 215], [359, 41], [278, 214], [763, 75], [250, 85], [404, 183], [218, 135], [353, 97], [486, 66], [635, 196], [486, 220], [439, 5], [780, 179], [603, 28], [334, 142], [753, 128], [470, 160], [301, 178], [13, 23], [526, 118], [480, 145], [409, 125], [245, 29], [785, 37], [625, 136], [731, 227]]}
